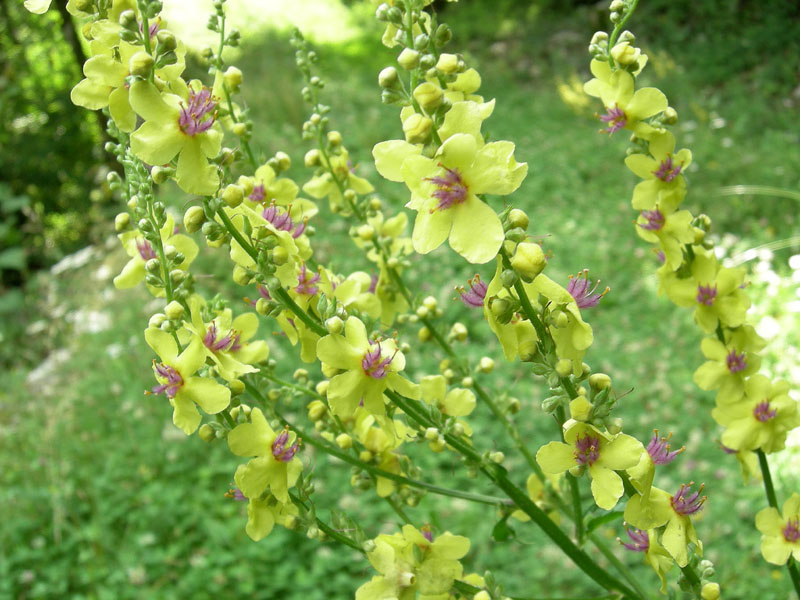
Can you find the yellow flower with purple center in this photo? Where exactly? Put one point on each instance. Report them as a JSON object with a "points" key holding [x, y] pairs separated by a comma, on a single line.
{"points": [[661, 170], [601, 453], [179, 125], [516, 335], [369, 368], [671, 229], [177, 381], [264, 513], [729, 364], [654, 553], [780, 531]]}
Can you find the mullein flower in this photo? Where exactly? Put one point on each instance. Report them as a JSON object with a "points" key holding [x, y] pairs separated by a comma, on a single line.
{"points": [[601, 453], [275, 466], [654, 553], [516, 335], [413, 564], [444, 192], [780, 537], [625, 109], [268, 188], [323, 185], [762, 419], [176, 377], [370, 367], [382, 441], [456, 402], [579, 288], [140, 251], [729, 364], [675, 510], [357, 291], [716, 292], [662, 171], [669, 228], [179, 125]]}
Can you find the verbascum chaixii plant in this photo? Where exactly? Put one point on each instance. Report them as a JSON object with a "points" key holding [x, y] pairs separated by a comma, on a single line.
{"points": [[365, 406]]}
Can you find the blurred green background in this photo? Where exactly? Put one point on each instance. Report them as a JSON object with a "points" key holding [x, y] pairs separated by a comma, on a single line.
{"points": [[104, 498]]}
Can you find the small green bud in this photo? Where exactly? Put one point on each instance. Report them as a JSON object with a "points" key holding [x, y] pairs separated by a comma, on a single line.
{"points": [[122, 222], [429, 95], [508, 278], [710, 591], [502, 309], [564, 367], [459, 331], [430, 303], [174, 310], [334, 325], [241, 276], [486, 365], [166, 41], [152, 266], [156, 320], [312, 158], [193, 218], [280, 256], [394, 16], [393, 97], [300, 375], [344, 441], [599, 381], [467, 382], [127, 18], [366, 232], [599, 38], [422, 312], [408, 59], [206, 433], [518, 219], [334, 138], [497, 457], [316, 410], [625, 54], [447, 63], [160, 174], [232, 78], [427, 61], [614, 426], [237, 387], [417, 128], [528, 260], [424, 334], [387, 78], [482, 595], [670, 116], [141, 64], [442, 35], [514, 405]]}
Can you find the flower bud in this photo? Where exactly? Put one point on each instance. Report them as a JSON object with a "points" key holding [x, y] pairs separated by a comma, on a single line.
{"points": [[174, 310], [241, 275], [617, 5], [670, 116], [237, 387], [122, 222], [508, 278], [263, 307], [467, 382], [193, 218], [166, 41], [369, 546], [431, 434], [599, 381], [528, 260], [280, 256], [429, 95], [442, 35], [344, 441], [599, 38], [459, 331], [501, 309], [424, 334], [387, 78], [614, 426], [408, 59], [127, 18], [447, 63], [316, 410], [437, 445], [160, 174], [417, 128], [625, 54], [366, 232], [497, 457], [422, 312], [513, 405], [518, 219], [156, 320], [564, 367], [141, 64], [312, 158], [482, 595], [580, 408], [232, 78], [152, 265], [710, 591], [322, 387], [365, 456], [486, 365], [300, 375], [206, 433]]}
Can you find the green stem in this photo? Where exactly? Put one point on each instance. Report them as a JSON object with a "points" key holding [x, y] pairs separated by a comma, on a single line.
{"points": [[294, 386], [329, 531], [692, 578], [527, 307], [399, 510], [618, 29], [618, 564], [577, 507]]}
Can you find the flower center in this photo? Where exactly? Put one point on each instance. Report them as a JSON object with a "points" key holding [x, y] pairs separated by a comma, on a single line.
{"points": [[706, 294], [587, 450], [763, 413], [578, 288], [658, 449], [306, 282], [259, 193], [668, 170], [736, 362], [615, 118], [475, 295], [655, 220], [450, 188], [200, 114], [686, 503], [236, 494], [172, 380], [640, 539], [215, 344], [791, 533], [280, 450], [145, 250], [373, 364], [282, 221]]}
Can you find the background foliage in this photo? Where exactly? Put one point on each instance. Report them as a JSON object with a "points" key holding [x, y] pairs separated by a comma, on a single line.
{"points": [[110, 501]]}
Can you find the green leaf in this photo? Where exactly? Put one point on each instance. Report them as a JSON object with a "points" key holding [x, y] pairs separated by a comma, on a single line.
{"points": [[502, 532]]}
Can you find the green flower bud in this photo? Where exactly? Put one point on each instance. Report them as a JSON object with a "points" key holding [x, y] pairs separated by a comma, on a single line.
{"points": [[625, 54], [710, 591], [206, 433], [458, 331], [599, 38], [408, 59], [429, 95], [241, 275], [580, 409], [564, 367], [156, 320], [127, 18], [497, 457], [502, 309], [160, 174], [528, 260], [427, 61], [447, 63], [617, 5], [394, 16], [312, 158], [599, 381], [316, 410], [482, 595], [417, 128], [166, 41], [237, 387], [508, 278], [467, 382], [239, 129], [670, 116], [437, 446], [174, 310], [152, 266], [366, 232], [141, 64], [334, 325], [518, 219], [514, 405], [322, 387], [393, 97], [263, 307], [344, 441], [486, 365], [387, 78], [232, 78], [84, 5], [122, 222], [614, 426], [193, 218], [284, 161], [424, 334]]}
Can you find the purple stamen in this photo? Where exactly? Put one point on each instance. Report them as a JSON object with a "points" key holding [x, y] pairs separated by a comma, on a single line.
{"points": [[658, 449], [258, 194], [427, 533], [641, 541], [373, 283], [451, 189], [685, 503], [736, 362], [196, 118], [280, 220], [306, 282], [706, 294], [173, 383], [763, 413], [372, 363], [236, 494], [217, 345], [791, 533], [578, 287], [587, 450], [280, 451], [616, 119], [475, 295], [145, 249], [655, 220], [667, 170]]}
